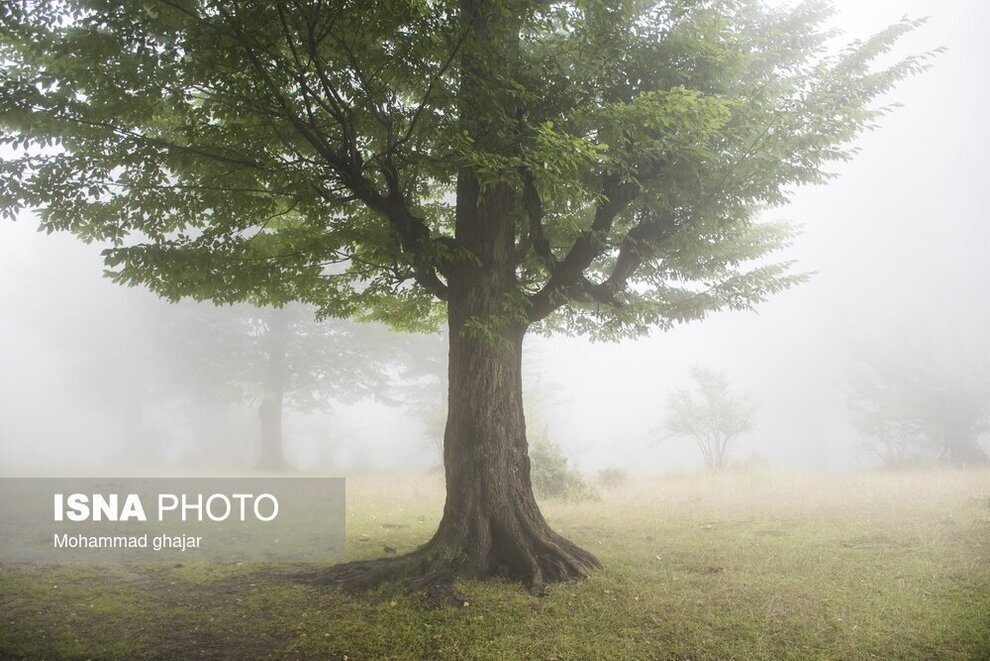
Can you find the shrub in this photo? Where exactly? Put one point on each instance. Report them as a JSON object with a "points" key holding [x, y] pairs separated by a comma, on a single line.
{"points": [[612, 477], [553, 478]]}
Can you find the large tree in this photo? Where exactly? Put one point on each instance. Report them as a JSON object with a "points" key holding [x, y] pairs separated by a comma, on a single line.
{"points": [[590, 166]]}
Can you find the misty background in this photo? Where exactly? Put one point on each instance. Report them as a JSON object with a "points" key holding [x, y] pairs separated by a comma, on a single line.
{"points": [[94, 376]]}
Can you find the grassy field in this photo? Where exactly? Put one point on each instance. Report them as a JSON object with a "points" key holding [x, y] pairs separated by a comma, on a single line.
{"points": [[747, 565]]}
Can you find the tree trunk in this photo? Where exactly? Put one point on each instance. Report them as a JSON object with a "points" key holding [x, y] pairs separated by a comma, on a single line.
{"points": [[491, 524], [270, 414], [271, 457]]}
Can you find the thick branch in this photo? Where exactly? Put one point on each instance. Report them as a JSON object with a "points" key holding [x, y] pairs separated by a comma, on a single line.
{"points": [[413, 233], [567, 277], [639, 245], [533, 204], [347, 164], [410, 130]]}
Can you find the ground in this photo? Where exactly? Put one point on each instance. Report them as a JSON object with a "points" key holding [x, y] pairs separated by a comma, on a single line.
{"points": [[748, 565]]}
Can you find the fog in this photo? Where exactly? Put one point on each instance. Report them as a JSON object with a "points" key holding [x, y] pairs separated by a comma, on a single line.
{"points": [[896, 245]]}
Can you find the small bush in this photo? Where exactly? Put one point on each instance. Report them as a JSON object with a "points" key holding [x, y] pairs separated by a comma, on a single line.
{"points": [[612, 477], [553, 478]]}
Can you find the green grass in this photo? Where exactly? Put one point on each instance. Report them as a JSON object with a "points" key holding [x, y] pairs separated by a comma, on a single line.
{"points": [[748, 565]]}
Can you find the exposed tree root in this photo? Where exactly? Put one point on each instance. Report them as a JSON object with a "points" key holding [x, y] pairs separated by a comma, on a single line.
{"points": [[433, 569]]}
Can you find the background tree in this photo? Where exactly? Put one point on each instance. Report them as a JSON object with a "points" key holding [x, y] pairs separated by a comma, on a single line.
{"points": [[133, 356], [913, 404], [114, 363], [421, 386], [592, 166], [277, 359], [710, 415]]}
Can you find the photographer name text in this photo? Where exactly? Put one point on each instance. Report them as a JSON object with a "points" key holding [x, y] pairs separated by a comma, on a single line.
{"points": [[145, 541]]}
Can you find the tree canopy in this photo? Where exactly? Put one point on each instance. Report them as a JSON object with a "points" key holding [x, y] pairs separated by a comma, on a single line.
{"points": [[310, 150], [588, 166]]}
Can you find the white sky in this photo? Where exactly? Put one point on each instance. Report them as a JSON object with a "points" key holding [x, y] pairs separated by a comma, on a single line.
{"points": [[898, 243]]}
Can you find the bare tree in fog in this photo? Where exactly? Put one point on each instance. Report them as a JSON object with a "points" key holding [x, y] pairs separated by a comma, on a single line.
{"points": [[710, 415], [913, 404]]}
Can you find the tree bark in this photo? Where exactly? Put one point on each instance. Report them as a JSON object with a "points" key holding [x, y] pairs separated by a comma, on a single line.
{"points": [[270, 414], [271, 456], [491, 525]]}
